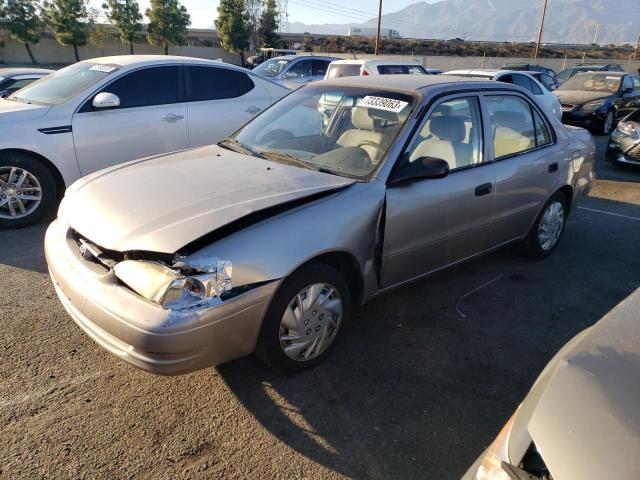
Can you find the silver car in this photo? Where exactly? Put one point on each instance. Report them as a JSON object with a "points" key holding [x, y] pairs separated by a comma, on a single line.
{"points": [[340, 191], [294, 71], [580, 420]]}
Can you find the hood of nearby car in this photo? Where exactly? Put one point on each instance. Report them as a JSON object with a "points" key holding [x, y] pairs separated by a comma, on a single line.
{"points": [[578, 97], [586, 424], [163, 203], [12, 111]]}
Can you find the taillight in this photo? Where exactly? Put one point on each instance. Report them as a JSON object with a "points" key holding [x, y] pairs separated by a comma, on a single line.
{"points": [[363, 73]]}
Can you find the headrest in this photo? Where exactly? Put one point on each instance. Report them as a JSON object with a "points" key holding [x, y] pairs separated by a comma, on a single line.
{"points": [[361, 120], [448, 128]]}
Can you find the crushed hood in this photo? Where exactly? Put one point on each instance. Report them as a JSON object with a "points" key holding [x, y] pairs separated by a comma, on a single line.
{"points": [[587, 422], [578, 97], [163, 203], [11, 111]]}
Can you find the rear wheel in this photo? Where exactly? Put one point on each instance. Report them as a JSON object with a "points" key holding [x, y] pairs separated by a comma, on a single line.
{"points": [[548, 228], [27, 190], [304, 319], [607, 123]]}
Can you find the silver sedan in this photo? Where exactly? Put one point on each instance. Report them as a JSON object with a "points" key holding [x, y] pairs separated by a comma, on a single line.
{"points": [[343, 190]]}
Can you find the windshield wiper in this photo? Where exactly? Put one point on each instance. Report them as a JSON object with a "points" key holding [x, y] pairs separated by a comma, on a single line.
{"points": [[16, 99], [236, 146], [287, 157]]}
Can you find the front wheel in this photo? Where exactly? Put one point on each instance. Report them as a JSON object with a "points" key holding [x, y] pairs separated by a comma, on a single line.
{"points": [[27, 190], [304, 319], [545, 233], [607, 124]]}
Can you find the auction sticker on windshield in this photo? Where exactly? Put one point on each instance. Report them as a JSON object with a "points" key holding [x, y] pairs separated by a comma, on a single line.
{"points": [[381, 103], [103, 68]]}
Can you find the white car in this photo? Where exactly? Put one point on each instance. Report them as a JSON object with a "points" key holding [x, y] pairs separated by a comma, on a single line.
{"points": [[351, 68], [547, 99], [105, 111]]}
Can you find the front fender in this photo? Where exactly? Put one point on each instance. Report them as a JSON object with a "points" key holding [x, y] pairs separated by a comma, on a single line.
{"points": [[345, 221]]}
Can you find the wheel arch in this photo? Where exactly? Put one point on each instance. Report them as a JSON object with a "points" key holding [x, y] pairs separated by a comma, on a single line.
{"points": [[567, 191], [55, 173]]}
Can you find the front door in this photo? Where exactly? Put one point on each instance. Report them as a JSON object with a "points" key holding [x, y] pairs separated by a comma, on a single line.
{"points": [[433, 223], [150, 120]]}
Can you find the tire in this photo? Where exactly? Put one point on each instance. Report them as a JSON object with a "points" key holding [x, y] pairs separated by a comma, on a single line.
{"points": [[608, 123], [23, 178], [534, 245], [316, 321]]}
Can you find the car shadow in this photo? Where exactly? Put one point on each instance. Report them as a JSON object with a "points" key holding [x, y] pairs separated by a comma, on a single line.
{"points": [[23, 247], [424, 377]]}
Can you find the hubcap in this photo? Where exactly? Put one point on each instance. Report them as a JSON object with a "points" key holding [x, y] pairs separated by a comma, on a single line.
{"points": [[20, 193], [551, 226], [310, 322]]}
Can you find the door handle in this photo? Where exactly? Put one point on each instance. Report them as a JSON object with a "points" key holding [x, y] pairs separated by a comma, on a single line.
{"points": [[253, 110], [553, 167], [484, 189], [172, 118]]}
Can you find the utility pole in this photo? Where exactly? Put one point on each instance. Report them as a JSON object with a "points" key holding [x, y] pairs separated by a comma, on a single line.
{"points": [[544, 12], [635, 55], [595, 37], [378, 31]]}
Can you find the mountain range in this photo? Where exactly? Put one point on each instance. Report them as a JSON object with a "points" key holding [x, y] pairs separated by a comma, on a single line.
{"points": [[567, 21]]}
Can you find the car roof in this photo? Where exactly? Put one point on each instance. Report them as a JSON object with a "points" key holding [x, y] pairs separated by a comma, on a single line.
{"points": [[408, 82], [298, 57], [377, 62], [11, 72], [604, 73], [477, 71], [129, 60]]}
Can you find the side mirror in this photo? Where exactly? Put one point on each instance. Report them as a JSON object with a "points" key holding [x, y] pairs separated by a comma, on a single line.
{"points": [[422, 168], [106, 100], [627, 90]]}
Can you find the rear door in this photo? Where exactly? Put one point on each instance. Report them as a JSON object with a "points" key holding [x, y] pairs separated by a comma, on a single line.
{"points": [[151, 119], [433, 223], [220, 100], [527, 164]]}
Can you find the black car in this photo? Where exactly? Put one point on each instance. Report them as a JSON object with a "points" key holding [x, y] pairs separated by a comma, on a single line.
{"points": [[624, 143], [13, 79], [567, 73], [597, 100], [529, 67]]}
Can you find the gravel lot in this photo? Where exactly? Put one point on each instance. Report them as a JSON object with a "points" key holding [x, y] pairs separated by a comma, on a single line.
{"points": [[417, 387]]}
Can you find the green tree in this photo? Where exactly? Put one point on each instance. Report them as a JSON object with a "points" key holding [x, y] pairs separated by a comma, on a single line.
{"points": [[20, 18], [253, 10], [168, 22], [269, 25], [98, 35], [69, 20], [126, 16], [231, 26]]}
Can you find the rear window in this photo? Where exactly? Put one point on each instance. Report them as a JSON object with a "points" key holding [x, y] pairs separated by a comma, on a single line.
{"points": [[400, 69], [343, 70]]}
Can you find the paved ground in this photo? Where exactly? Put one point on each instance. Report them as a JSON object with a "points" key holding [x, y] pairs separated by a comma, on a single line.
{"points": [[417, 387]]}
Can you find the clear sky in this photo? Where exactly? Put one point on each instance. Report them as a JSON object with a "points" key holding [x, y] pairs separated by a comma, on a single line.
{"points": [[203, 12]]}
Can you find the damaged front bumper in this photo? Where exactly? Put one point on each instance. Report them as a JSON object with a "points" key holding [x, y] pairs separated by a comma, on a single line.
{"points": [[143, 333]]}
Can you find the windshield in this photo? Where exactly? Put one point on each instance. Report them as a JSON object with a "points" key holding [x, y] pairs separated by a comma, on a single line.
{"points": [[343, 70], [271, 68], [593, 82], [64, 84], [342, 130]]}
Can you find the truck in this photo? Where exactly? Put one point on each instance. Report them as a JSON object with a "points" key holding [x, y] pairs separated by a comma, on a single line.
{"points": [[388, 33]]}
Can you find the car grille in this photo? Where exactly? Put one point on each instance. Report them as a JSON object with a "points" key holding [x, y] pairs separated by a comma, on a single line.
{"points": [[634, 152], [90, 252]]}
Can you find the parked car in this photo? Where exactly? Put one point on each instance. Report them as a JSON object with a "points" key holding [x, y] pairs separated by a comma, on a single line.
{"points": [[548, 81], [106, 111], [293, 71], [624, 143], [265, 54], [267, 241], [523, 79], [580, 419], [567, 73], [597, 100], [13, 79], [350, 68], [529, 67]]}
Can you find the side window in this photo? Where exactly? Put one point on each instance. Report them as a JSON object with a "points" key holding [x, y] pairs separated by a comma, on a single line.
{"points": [[415, 70], [452, 132], [390, 69], [319, 67], [627, 82], [543, 135], [524, 82], [547, 81], [301, 68], [146, 87], [211, 83], [511, 124], [636, 83]]}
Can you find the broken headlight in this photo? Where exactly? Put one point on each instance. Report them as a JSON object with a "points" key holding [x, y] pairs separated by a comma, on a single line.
{"points": [[183, 285]]}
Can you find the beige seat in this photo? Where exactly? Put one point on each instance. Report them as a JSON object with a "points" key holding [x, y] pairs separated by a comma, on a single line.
{"points": [[506, 140], [445, 140], [364, 135]]}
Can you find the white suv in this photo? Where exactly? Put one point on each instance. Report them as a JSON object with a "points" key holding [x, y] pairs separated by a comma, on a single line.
{"points": [[350, 68], [105, 111]]}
